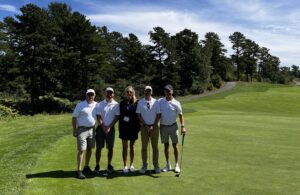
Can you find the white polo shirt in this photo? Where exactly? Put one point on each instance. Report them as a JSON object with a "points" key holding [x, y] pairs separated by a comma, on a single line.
{"points": [[169, 111], [107, 111], [148, 110], [85, 114]]}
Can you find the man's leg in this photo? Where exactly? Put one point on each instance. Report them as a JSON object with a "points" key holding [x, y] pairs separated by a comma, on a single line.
{"points": [[99, 137], [175, 146], [80, 175], [167, 152], [144, 140], [154, 143], [88, 156], [79, 159], [164, 133], [110, 155]]}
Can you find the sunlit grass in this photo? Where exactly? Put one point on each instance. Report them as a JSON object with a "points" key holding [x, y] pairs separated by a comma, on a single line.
{"points": [[243, 141]]}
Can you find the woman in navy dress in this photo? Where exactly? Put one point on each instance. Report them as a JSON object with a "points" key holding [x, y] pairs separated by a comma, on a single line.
{"points": [[129, 126]]}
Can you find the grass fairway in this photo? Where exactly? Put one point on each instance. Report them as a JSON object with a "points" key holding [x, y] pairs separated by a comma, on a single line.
{"points": [[243, 141]]}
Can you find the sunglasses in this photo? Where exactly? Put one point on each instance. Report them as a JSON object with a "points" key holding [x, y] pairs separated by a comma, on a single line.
{"points": [[129, 92], [148, 105], [90, 94]]}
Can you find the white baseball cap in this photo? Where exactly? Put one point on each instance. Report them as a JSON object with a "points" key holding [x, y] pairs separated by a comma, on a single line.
{"points": [[148, 87], [109, 89], [91, 91]]}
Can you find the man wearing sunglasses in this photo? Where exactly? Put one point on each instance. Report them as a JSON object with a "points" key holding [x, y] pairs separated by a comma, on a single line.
{"points": [[83, 122], [170, 108], [148, 111]]}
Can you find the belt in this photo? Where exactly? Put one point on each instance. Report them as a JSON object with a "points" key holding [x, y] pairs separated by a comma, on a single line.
{"points": [[168, 125], [82, 127]]}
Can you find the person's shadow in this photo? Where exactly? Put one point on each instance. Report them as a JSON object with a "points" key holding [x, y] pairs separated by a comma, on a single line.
{"points": [[119, 173], [55, 174], [73, 174]]}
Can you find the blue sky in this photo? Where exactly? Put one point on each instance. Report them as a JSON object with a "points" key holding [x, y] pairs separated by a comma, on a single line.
{"points": [[274, 24]]}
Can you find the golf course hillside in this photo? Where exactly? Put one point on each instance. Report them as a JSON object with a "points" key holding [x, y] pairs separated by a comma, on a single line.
{"points": [[242, 141]]}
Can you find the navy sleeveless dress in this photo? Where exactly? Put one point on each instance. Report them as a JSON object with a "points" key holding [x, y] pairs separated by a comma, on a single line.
{"points": [[129, 125]]}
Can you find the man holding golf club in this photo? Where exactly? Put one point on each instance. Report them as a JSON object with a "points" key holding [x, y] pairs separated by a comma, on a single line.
{"points": [[148, 111], [170, 108]]}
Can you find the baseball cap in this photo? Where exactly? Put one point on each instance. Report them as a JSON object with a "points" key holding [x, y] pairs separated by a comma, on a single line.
{"points": [[109, 89], [90, 91], [169, 87], [148, 87]]}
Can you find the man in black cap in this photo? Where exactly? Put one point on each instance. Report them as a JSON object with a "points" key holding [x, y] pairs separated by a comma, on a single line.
{"points": [[170, 108]]}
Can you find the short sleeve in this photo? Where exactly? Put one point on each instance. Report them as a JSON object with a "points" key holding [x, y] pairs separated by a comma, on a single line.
{"points": [[117, 110], [179, 109], [138, 108], [76, 111], [157, 104]]}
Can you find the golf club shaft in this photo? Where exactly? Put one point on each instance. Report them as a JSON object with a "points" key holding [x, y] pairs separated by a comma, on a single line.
{"points": [[149, 147], [182, 143]]}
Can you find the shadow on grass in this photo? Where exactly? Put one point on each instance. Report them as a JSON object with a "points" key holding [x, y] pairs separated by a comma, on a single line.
{"points": [[73, 174], [119, 173], [52, 174]]}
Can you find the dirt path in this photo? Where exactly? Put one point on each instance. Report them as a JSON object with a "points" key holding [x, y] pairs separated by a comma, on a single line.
{"points": [[227, 86], [296, 82]]}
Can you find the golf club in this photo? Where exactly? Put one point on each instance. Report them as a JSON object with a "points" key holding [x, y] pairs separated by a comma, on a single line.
{"points": [[177, 174]]}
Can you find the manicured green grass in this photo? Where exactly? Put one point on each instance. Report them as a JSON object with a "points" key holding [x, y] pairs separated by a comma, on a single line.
{"points": [[243, 141]]}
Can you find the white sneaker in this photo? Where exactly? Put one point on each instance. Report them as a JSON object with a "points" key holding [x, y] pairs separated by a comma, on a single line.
{"points": [[167, 168], [177, 169], [125, 170], [157, 170], [132, 169], [143, 169]]}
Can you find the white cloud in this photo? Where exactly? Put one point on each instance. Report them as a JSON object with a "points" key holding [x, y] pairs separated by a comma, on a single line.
{"points": [[171, 21], [277, 32], [8, 8]]}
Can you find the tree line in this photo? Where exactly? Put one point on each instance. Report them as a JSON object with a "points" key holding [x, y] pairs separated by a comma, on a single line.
{"points": [[56, 52]]}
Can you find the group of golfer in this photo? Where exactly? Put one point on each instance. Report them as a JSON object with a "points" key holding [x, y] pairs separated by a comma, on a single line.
{"points": [[134, 116]]}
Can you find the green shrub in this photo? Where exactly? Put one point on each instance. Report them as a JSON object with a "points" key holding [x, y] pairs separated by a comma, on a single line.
{"points": [[52, 104], [22, 105], [197, 89], [210, 87], [216, 81], [7, 112]]}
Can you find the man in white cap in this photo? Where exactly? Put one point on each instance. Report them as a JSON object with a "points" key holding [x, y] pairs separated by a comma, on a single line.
{"points": [[107, 112], [170, 108], [83, 122], [148, 111]]}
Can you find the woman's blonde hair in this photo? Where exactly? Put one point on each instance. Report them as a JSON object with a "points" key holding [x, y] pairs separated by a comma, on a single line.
{"points": [[130, 88]]}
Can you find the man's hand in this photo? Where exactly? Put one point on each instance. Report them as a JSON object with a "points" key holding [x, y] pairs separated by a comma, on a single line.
{"points": [[183, 131], [75, 132], [106, 130], [149, 129]]}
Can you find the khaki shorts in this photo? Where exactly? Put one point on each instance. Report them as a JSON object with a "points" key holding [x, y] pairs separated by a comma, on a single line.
{"points": [[169, 131], [85, 138]]}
